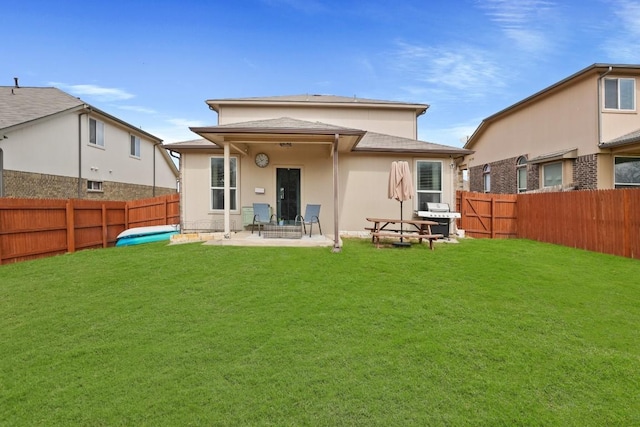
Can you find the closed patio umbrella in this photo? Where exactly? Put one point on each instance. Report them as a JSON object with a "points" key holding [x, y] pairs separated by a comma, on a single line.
{"points": [[400, 186]]}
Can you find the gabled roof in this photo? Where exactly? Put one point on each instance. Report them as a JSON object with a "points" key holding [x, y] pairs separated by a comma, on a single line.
{"points": [[316, 101], [285, 128], [21, 105], [24, 104], [598, 68]]}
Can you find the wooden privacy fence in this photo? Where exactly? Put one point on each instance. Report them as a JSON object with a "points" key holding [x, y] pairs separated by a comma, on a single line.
{"points": [[36, 228], [606, 221], [487, 215]]}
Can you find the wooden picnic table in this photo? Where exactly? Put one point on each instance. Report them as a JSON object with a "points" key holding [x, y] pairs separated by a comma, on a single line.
{"points": [[420, 229]]}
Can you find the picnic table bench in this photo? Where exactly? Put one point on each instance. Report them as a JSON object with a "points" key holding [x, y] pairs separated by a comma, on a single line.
{"points": [[419, 229]]}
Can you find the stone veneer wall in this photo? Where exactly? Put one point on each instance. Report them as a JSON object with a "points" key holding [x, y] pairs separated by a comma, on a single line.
{"points": [[42, 186], [585, 172]]}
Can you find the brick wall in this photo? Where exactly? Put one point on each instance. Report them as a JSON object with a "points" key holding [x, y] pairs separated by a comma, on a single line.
{"points": [[585, 172], [503, 177], [41, 186]]}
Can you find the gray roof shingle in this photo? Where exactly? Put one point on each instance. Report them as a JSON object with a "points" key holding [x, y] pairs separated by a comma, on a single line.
{"points": [[24, 104]]}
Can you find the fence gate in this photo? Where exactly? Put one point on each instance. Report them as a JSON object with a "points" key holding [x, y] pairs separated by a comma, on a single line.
{"points": [[487, 215]]}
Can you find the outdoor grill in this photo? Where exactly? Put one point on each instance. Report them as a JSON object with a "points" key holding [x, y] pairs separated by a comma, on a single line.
{"points": [[440, 213]]}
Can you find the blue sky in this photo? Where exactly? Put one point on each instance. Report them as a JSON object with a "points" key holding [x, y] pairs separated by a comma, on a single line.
{"points": [[154, 63]]}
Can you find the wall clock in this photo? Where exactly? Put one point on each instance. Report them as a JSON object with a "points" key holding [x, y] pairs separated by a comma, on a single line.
{"points": [[262, 160]]}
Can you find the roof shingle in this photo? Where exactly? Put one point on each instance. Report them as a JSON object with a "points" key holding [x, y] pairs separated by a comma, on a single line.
{"points": [[24, 104]]}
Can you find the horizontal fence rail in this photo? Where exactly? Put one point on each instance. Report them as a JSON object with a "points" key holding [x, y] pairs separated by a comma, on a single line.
{"points": [[36, 228], [606, 221], [487, 215]]}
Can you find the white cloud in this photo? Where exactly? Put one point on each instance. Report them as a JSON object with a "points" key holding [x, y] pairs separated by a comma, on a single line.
{"points": [[455, 135], [465, 70], [526, 22], [186, 123], [104, 94], [622, 43], [137, 109], [176, 130]]}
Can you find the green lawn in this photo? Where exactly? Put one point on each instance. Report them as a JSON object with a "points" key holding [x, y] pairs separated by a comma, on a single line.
{"points": [[485, 332]]}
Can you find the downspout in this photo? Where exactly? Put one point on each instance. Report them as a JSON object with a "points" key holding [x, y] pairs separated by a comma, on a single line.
{"points": [[80, 155], [602, 76], [153, 191], [336, 228]]}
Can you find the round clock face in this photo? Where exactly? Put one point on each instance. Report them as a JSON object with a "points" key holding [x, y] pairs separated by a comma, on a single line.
{"points": [[262, 160]]}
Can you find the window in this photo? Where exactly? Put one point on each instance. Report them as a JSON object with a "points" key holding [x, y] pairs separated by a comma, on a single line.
{"points": [[135, 146], [521, 171], [619, 94], [429, 183], [486, 178], [95, 186], [552, 174], [217, 183], [627, 172], [96, 132]]}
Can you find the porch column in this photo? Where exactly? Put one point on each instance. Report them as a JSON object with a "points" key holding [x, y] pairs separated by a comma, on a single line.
{"points": [[336, 210], [227, 192]]}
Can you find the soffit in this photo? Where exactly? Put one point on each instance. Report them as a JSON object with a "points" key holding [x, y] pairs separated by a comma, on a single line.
{"points": [[315, 101]]}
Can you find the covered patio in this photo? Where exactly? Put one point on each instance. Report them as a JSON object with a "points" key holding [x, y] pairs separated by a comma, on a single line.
{"points": [[250, 138]]}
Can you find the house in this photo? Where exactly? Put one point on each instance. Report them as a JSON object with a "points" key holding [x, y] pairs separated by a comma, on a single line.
{"points": [[290, 151], [580, 133], [54, 145]]}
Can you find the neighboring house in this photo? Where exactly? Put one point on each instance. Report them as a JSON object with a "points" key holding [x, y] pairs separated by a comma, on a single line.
{"points": [[54, 145], [580, 133], [290, 151]]}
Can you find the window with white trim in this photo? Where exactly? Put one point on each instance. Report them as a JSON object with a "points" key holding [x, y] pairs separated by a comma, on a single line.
{"points": [[552, 174], [486, 178], [94, 186], [627, 172], [96, 132], [134, 149], [620, 94], [521, 171], [217, 183], [428, 182]]}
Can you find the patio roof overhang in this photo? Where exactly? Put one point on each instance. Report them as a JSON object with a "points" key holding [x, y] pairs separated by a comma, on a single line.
{"points": [[281, 131]]}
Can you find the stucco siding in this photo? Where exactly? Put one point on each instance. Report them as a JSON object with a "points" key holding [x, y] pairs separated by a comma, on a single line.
{"points": [[388, 121], [563, 119], [48, 147], [363, 184]]}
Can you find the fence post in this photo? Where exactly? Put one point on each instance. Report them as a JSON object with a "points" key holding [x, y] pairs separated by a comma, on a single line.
{"points": [[626, 223], [71, 227], [462, 210], [493, 216], [104, 226], [166, 211]]}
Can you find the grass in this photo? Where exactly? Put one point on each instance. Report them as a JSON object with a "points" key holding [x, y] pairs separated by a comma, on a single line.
{"points": [[485, 332]]}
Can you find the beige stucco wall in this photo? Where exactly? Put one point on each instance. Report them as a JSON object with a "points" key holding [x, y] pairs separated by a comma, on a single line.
{"points": [[51, 147], [562, 120], [388, 121], [363, 180]]}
